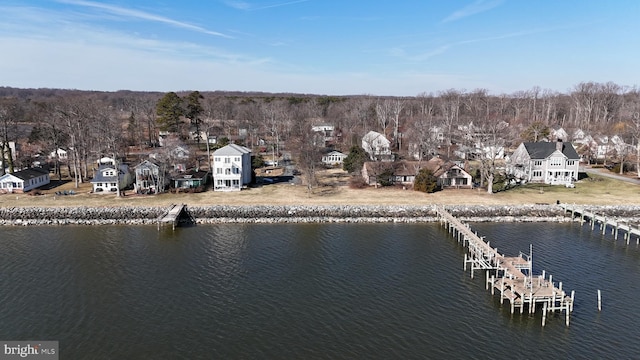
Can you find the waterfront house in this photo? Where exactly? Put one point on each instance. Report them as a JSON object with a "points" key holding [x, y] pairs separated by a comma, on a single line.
{"points": [[448, 174], [24, 180], [231, 168], [150, 178], [108, 178], [554, 163], [192, 179]]}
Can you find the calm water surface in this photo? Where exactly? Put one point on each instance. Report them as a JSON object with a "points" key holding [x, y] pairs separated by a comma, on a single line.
{"points": [[323, 291]]}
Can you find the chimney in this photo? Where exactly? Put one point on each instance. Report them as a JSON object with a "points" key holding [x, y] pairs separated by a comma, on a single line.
{"points": [[559, 145]]}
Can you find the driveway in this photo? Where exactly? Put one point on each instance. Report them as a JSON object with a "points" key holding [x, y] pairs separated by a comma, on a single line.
{"points": [[609, 174]]}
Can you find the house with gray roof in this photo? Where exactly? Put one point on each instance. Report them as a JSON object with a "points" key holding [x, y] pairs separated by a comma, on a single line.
{"points": [[24, 180], [231, 168], [554, 163], [108, 180]]}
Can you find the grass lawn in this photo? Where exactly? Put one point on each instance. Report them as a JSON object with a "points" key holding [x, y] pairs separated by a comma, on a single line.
{"points": [[595, 190]]}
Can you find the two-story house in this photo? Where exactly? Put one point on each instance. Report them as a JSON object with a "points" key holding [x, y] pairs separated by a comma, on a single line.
{"points": [[108, 178], [554, 163], [377, 146], [231, 168], [150, 178]]}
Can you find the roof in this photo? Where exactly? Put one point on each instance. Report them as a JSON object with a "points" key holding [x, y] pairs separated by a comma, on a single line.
{"points": [[100, 177], [146, 164], [542, 150], [335, 152], [192, 174], [231, 150], [374, 136], [409, 168], [31, 173]]}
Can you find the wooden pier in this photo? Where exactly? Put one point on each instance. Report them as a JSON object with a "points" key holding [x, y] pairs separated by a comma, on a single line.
{"points": [[603, 222], [512, 277], [172, 215]]}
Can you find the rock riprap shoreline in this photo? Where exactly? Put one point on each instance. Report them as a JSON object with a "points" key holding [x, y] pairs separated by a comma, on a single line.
{"points": [[299, 214]]}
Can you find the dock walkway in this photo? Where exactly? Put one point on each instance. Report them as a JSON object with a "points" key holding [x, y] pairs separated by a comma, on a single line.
{"points": [[613, 223], [172, 215], [511, 276]]}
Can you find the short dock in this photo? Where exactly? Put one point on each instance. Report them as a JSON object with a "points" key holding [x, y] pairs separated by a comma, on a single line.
{"points": [[511, 276], [172, 215], [603, 222]]}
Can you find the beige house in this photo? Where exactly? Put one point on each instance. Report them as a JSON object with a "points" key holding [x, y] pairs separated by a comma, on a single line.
{"points": [[449, 175]]}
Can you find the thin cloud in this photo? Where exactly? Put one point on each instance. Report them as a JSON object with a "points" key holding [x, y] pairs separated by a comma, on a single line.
{"points": [[137, 14], [243, 5], [476, 7], [444, 48]]}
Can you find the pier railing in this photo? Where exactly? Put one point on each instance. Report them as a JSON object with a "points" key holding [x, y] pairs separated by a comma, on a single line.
{"points": [[604, 222]]}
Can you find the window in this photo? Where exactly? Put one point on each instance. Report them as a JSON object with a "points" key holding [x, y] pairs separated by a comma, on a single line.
{"points": [[537, 163], [227, 171], [237, 159], [571, 162], [556, 161], [236, 182], [537, 174], [227, 160], [217, 159], [218, 170]]}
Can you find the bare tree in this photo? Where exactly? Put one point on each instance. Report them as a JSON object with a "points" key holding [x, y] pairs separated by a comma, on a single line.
{"points": [[10, 110]]}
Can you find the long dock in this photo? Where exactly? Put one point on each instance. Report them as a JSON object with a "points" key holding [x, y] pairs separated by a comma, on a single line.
{"points": [[172, 215], [511, 276], [594, 219]]}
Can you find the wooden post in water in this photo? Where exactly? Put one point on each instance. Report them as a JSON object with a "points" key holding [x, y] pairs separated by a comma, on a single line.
{"points": [[486, 285], [599, 300], [544, 314], [493, 284], [573, 296], [566, 314]]}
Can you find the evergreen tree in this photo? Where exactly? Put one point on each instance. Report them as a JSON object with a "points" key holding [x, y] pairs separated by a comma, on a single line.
{"points": [[425, 181], [194, 110], [169, 110], [354, 161]]}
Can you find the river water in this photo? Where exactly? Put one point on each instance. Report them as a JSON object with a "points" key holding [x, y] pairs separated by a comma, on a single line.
{"points": [[308, 291]]}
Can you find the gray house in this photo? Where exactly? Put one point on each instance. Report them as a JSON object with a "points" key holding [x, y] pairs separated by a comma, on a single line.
{"points": [[554, 163], [108, 179], [150, 179]]}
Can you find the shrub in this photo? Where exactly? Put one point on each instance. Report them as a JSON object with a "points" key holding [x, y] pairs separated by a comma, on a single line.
{"points": [[357, 182]]}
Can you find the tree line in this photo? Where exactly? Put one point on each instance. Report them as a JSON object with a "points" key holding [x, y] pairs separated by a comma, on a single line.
{"points": [[92, 124]]}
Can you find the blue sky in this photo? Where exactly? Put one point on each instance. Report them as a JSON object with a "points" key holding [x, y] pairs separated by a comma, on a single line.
{"points": [[347, 47]]}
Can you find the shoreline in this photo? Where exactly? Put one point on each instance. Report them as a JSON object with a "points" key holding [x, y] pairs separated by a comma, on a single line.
{"points": [[267, 214]]}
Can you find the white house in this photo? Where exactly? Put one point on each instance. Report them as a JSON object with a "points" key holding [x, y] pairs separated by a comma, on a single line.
{"points": [[554, 163], [377, 146], [108, 180], [231, 168], [24, 180], [61, 154], [333, 158]]}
